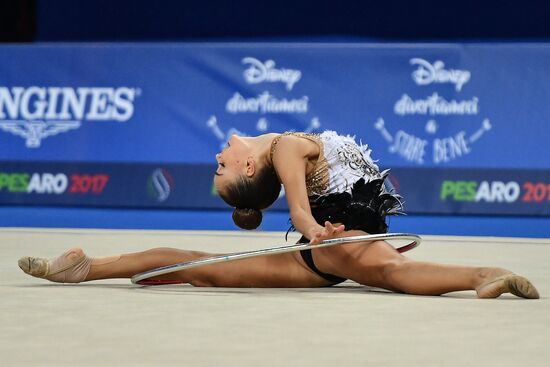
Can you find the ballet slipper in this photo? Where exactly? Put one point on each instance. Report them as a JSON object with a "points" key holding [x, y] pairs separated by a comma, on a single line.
{"points": [[71, 267], [508, 283]]}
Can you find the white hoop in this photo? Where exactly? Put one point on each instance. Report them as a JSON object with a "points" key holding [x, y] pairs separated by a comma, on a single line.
{"points": [[415, 241]]}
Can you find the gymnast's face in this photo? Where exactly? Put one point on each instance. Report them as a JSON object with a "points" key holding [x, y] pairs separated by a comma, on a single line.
{"points": [[234, 161]]}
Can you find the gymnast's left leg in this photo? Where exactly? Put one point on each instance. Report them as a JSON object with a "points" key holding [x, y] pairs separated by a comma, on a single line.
{"points": [[379, 264]]}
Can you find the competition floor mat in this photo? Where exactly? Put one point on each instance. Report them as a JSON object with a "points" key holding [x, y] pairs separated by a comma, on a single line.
{"points": [[116, 323]]}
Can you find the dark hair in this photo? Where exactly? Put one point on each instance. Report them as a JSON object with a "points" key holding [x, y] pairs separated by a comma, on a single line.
{"points": [[249, 195]]}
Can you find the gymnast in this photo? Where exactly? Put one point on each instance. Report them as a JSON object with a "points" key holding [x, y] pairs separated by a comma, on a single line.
{"points": [[334, 189]]}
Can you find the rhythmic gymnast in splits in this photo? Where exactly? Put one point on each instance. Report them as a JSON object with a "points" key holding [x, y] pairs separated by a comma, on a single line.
{"points": [[334, 189]]}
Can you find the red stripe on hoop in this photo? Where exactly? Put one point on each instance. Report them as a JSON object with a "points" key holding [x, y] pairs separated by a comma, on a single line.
{"points": [[408, 247]]}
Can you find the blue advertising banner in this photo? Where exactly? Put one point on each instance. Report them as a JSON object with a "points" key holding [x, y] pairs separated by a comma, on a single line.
{"points": [[138, 122], [108, 184], [471, 191], [444, 191]]}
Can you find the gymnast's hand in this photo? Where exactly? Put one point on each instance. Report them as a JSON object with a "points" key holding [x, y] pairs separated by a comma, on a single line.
{"points": [[323, 233]]}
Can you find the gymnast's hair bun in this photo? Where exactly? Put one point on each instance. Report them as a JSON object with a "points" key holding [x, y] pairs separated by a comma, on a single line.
{"points": [[247, 218]]}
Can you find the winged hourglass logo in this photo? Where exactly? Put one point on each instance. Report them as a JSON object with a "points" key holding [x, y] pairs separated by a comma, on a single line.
{"points": [[33, 132]]}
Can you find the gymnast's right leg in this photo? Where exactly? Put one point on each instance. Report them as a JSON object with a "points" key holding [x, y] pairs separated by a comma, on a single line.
{"points": [[74, 266], [282, 270]]}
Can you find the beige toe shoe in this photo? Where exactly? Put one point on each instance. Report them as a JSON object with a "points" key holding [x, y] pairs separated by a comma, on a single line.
{"points": [[509, 283], [71, 267]]}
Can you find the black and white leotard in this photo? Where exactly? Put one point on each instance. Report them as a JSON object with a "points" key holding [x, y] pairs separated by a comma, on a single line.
{"points": [[346, 186]]}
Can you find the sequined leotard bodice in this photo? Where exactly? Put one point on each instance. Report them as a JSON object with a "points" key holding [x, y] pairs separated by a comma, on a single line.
{"points": [[341, 163]]}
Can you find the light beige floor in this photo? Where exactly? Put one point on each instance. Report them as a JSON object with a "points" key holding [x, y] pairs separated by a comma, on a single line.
{"points": [[113, 323]]}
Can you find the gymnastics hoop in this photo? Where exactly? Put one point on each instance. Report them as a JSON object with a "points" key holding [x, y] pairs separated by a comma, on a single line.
{"points": [[141, 277]]}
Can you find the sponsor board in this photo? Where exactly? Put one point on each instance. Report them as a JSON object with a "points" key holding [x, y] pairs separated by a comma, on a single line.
{"points": [[37, 112], [440, 115], [265, 103], [425, 191], [434, 145], [495, 191], [52, 183], [108, 185], [467, 191]]}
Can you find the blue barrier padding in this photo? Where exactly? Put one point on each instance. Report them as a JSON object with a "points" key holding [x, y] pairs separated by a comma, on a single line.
{"points": [[48, 217]]}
